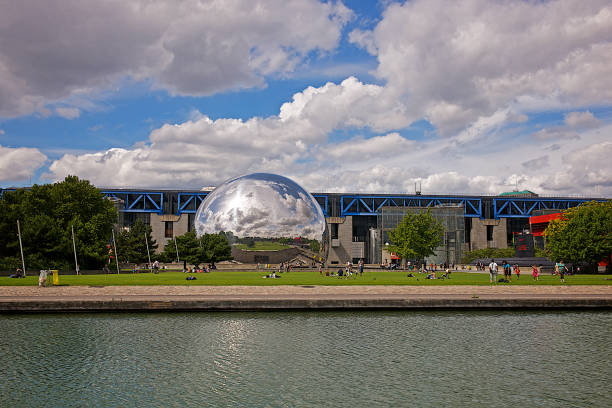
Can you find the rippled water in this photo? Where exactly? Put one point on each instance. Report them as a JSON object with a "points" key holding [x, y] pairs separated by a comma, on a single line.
{"points": [[470, 359]]}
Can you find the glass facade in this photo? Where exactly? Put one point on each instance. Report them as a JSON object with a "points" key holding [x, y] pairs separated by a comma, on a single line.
{"points": [[128, 219], [451, 217]]}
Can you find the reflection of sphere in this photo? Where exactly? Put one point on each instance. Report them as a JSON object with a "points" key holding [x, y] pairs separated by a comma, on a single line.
{"points": [[264, 206]]}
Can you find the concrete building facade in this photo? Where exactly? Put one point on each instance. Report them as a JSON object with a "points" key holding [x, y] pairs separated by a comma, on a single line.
{"points": [[352, 219]]}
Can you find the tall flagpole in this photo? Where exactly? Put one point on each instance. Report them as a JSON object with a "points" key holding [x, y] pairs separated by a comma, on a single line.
{"points": [[177, 255], [116, 255], [148, 254], [76, 263], [21, 248]]}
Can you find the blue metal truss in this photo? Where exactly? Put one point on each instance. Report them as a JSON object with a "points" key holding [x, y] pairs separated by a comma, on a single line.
{"points": [[369, 205], [138, 201], [323, 201], [351, 204], [4, 190], [523, 207], [188, 203]]}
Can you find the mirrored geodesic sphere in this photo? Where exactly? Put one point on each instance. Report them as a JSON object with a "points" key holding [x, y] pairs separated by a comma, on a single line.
{"points": [[265, 207]]}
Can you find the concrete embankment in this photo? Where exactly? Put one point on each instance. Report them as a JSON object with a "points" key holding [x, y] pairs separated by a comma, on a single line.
{"points": [[281, 298]]}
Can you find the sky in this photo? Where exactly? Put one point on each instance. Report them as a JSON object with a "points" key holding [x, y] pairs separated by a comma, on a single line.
{"points": [[471, 97]]}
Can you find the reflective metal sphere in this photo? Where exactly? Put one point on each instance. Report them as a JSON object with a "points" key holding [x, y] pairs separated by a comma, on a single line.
{"points": [[264, 207]]}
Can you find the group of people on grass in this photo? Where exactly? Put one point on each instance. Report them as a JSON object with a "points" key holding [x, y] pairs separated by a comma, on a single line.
{"points": [[345, 273], [199, 269], [560, 269]]}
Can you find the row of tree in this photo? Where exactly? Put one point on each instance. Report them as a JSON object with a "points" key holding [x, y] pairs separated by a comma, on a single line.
{"points": [[136, 244], [49, 213]]}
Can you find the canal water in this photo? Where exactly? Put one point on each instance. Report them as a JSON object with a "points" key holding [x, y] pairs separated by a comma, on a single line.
{"points": [[307, 359]]}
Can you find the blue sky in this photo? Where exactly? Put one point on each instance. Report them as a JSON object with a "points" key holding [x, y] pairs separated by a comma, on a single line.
{"points": [[355, 95]]}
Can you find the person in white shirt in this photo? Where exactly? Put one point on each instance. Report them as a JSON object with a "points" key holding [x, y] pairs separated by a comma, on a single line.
{"points": [[492, 271]]}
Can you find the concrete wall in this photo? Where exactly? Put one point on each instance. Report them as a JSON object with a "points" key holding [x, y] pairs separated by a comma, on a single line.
{"points": [[342, 253], [273, 257], [158, 225], [478, 234]]}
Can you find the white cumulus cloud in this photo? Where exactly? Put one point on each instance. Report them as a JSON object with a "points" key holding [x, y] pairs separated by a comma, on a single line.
{"points": [[458, 61], [51, 51], [18, 164]]}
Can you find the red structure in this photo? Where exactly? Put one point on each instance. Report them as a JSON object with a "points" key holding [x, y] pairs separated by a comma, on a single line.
{"points": [[539, 223]]}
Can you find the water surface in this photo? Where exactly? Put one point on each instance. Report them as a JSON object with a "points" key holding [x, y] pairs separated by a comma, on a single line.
{"points": [[340, 359]]}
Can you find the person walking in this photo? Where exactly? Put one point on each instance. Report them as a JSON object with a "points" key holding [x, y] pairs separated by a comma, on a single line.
{"points": [[517, 271], [562, 270], [507, 271], [360, 267], [535, 272], [156, 266], [492, 271]]}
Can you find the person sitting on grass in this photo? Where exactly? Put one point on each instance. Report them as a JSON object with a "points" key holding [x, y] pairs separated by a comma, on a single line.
{"points": [[18, 274]]}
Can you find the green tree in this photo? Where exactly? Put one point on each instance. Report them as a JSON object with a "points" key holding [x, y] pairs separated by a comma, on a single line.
{"points": [[131, 244], [188, 247], [416, 236], [215, 248], [47, 214], [581, 234], [208, 248]]}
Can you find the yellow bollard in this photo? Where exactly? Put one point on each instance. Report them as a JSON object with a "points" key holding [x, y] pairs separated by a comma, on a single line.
{"points": [[55, 277]]}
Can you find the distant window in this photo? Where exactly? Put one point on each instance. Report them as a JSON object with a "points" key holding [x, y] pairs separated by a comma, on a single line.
{"points": [[169, 230], [489, 233], [334, 231]]}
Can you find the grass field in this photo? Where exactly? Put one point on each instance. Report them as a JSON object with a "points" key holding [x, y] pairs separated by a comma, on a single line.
{"points": [[255, 278], [263, 246]]}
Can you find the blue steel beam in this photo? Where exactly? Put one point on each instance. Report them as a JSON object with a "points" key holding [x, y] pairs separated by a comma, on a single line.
{"points": [[4, 190], [354, 204], [138, 201], [369, 205], [188, 203], [524, 207], [323, 201]]}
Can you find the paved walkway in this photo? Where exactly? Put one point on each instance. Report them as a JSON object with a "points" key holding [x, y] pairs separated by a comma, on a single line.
{"points": [[130, 298], [289, 290]]}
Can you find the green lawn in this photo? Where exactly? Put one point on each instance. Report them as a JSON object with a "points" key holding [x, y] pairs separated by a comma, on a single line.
{"points": [[253, 278], [263, 246]]}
